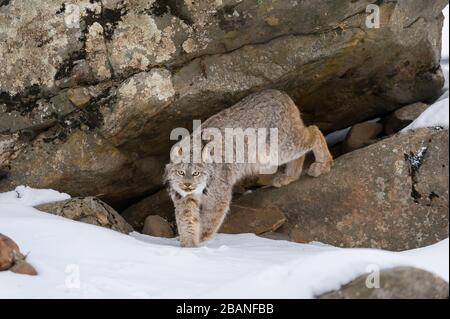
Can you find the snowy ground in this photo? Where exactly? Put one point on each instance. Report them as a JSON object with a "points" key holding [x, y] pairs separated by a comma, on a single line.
{"points": [[77, 260]]}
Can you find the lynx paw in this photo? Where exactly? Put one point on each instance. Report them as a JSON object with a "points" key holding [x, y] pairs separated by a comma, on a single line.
{"points": [[317, 169], [207, 236], [188, 242]]}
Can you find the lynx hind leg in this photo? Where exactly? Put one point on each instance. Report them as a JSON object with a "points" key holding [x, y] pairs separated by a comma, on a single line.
{"points": [[291, 173], [187, 213], [323, 159]]}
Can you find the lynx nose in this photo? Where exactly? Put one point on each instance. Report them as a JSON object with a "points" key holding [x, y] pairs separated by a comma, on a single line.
{"points": [[188, 185]]}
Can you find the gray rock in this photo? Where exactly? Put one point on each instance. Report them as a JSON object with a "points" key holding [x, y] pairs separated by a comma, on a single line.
{"points": [[360, 135], [395, 283], [402, 117], [391, 195], [88, 210], [258, 220]]}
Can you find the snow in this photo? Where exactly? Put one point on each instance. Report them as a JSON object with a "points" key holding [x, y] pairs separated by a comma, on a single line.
{"points": [[77, 260], [32, 197], [436, 115], [445, 35]]}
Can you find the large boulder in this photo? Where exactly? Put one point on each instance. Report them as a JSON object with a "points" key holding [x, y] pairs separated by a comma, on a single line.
{"points": [[88, 210], [391, 195], [93, 88], [395, 283]]}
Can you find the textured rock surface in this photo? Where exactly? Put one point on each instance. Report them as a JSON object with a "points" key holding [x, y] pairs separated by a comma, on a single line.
{"points": [[157, 226], [12, 259], [395, 283], [88, 210], [157, 204], [402, 117], [391, 195], [360, 135], [155, 65], [253, 220], [8, 251]]}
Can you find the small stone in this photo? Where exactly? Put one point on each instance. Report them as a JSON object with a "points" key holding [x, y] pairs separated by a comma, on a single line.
{"points": [[12, 259], [402, 117], [157, 204], [80, 97], [8, 251], [275, 236], [24, 268], [360, 135], [157, 226]]}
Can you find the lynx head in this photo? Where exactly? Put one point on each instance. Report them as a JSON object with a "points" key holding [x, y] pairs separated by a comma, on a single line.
{"points": [[187, 178]]}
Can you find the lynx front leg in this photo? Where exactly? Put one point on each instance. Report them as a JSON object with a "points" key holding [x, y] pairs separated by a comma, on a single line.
{"points": [[213, 215], [187, 213]]}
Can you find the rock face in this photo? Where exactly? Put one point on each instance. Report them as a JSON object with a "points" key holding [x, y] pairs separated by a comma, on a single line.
{"points": [[396, 283], [253, 220], [391, 195], [88, 210], [12, 259], [91, 90]]}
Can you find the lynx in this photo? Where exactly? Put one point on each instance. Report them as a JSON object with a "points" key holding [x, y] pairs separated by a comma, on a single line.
{"points": [[202, 191]]}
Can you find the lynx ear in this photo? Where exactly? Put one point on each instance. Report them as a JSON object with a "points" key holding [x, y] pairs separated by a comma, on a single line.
{"points": [[178, 153], [206, 156]]}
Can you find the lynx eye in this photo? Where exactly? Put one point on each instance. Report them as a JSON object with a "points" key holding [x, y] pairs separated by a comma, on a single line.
{"points": [[181, 173], [195, 173]]}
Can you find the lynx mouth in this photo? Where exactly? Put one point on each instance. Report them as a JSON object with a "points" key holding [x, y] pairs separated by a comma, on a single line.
{"points": [[188, 189]]}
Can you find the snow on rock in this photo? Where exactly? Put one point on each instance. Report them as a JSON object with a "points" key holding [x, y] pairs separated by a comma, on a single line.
{"points": [[77, 260], [445, 35], [436, 115], [27, 196]]}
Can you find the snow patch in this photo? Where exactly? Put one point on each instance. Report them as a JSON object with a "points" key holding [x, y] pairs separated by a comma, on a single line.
{"points": [[77, 260], [27, 196]]}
